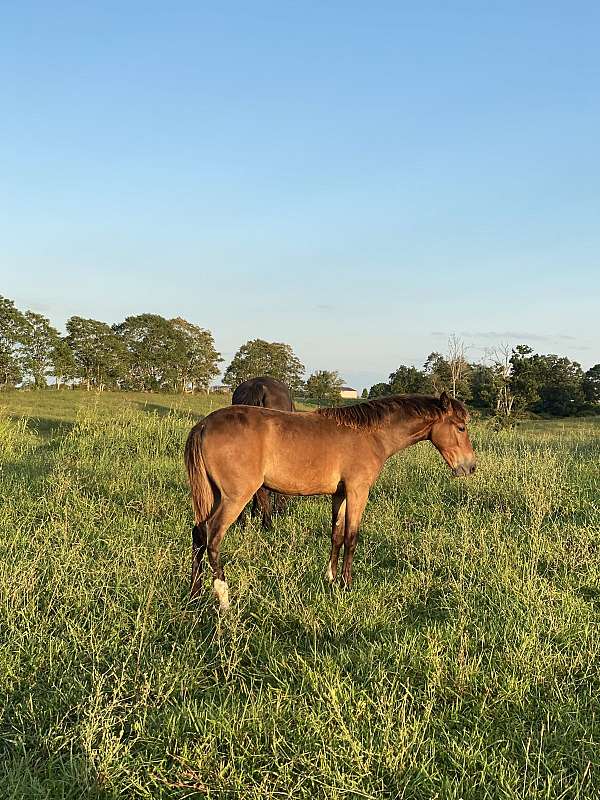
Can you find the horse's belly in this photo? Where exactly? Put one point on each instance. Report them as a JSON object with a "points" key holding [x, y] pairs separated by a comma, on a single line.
{"points": [[301, 478], [300, 488]]}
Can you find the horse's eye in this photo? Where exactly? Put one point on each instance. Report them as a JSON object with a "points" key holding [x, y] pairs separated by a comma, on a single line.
{"points": [[461, 428]]}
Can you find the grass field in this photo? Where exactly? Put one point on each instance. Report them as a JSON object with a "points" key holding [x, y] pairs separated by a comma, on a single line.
{"points": [[464, 663]]}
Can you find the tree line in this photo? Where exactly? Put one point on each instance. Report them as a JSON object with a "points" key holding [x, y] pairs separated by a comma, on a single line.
{"points": [[507, 382], [145, 352], [148, 352]]}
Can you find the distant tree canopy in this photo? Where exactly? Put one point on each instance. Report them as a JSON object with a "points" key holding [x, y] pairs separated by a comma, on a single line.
{"points": [[12, 336], [547, 384], [515, 380], [258, 357], [155, 353], [591, 384], [404, 380], [145, 352], [39, 343], [324, 387], [98, 354]]}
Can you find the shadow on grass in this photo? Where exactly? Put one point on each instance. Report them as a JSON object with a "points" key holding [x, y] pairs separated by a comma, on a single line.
{"points": [[47, 427]]}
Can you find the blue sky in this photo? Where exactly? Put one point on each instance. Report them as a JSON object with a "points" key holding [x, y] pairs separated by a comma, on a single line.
{"points": [[357, 179]]}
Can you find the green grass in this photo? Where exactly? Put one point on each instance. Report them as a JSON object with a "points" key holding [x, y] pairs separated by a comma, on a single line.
{"points": [[464, 663]]}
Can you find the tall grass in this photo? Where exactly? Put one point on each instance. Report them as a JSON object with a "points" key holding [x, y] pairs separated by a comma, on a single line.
{"points": [[464, 663]]}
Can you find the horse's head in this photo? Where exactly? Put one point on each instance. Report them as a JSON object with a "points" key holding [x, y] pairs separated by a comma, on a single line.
{"points": [[450, 436]]}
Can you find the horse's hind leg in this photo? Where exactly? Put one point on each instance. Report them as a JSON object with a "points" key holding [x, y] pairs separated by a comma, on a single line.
{"points": [[225, 515], [199, 535], [338, 514], [264, 503]]}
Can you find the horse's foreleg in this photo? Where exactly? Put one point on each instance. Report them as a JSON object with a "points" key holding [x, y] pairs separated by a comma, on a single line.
{"points": [[198, 550], [356, 501], [225, 515], [338, 514]]}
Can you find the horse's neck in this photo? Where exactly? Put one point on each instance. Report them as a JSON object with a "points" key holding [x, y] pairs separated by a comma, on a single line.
{"points": [[402, 433]]}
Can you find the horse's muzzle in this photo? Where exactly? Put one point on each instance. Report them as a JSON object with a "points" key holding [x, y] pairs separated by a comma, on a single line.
{"points": [[462, 470]]}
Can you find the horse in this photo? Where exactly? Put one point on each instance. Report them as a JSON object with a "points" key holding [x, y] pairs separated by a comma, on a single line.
{"points": [[332, 451], [264, 391], [268, 393]]}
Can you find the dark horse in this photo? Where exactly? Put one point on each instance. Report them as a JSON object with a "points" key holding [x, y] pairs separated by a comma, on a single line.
{"points": [[268, 393], [336, 451]]}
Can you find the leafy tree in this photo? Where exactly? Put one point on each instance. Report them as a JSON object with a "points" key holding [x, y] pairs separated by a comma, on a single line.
{"points": [[364, 394], [450, 374], [438, 370], [97, 352], [548, 384], [63, 361], [408, 380], [561, 393], [13, 328], [201, 361], [324, 386], [526, 379], [485, 386], [39, 341], [491, 384], [591, 384], [258, 357], [156, 352], [379, 390]]}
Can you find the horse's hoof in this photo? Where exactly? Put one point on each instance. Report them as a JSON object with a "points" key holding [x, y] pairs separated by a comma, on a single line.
{"points": [[221, 591]]}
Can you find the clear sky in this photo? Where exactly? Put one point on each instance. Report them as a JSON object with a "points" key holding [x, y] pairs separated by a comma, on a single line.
{"points": [[357, 179]]}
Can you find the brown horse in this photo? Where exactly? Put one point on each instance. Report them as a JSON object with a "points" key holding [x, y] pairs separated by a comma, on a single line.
{"points": [[336, 451], [264, 391], [268, 393]]}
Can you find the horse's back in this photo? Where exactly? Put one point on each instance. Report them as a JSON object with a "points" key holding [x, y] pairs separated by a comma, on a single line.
{"points": [[263, 391]]}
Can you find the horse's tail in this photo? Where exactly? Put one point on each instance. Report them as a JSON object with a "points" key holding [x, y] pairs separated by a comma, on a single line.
{"points": [[202, 492]]}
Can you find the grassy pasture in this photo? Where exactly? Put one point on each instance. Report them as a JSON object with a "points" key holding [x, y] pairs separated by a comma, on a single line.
{"points": [[464, 663]]}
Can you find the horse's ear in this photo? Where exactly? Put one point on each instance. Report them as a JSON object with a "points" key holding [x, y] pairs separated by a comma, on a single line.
{"points": [[445, 401]]}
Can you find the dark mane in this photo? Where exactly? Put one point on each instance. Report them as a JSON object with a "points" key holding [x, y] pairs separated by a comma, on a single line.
{"points": [[373, 414]]}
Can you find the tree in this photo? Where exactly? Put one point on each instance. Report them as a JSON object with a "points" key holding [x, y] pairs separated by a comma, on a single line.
{"points": [[591, 384], [364, 394], [63, 362], [547, 384], [201, 359], [408, 380], [12, 335], [324, 386], [459, 367], [258, 357], [525, 379], [485, 386], [561, 393], [39, 341], [97, 352], [156, 352], [438, 370], [504, 369], [379, 390], [490, 383]]}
